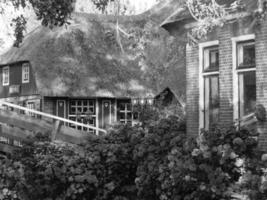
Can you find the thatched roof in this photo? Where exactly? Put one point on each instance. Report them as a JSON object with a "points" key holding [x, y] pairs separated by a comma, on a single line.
{"points": [[81, 60]]}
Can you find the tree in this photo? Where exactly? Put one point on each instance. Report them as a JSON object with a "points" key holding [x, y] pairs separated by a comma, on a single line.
{"points": [[51, 13], [208, 13]]}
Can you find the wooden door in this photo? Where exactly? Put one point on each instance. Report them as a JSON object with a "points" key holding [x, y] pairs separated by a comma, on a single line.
{"points": [[106, 113], [61, 108]]}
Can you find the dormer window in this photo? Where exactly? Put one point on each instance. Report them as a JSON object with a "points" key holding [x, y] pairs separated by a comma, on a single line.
{"points": [[5, 75], [211, 59], [25, 73]]}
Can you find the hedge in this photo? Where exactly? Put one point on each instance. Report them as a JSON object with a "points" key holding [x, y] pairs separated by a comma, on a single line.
{"points": [[155, 162]]}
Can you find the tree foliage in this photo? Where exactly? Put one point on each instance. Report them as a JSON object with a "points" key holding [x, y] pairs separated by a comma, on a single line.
{"points": [[208, 13]]}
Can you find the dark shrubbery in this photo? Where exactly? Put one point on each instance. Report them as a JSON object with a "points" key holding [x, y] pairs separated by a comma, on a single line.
{"points": [[157, 162]]}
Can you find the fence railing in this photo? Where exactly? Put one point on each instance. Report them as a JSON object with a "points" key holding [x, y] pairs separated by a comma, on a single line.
{"points": [[17, 128], [247, 120]]}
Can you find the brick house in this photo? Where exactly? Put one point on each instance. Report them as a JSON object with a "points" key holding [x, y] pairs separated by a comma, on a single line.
{"points": [[226, 73]]}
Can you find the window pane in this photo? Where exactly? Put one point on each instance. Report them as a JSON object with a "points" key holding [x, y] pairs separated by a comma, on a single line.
{"points": [[211, 59], [79, 110], [211, 101], [247, 93], [249, 55], [129, 107], [129, 116], [91, 103], [91, 110], [92, 121], [246, 55], [5, 75], [214, 100], [73, 110], [25, 72], [85, 103], [135, 115], [214, 59], [122, 115], [122, 106], [31, 106], [85, 110]]}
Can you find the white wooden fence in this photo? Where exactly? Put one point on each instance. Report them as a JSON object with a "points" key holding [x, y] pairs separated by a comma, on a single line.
{"points": [[17, 128]]}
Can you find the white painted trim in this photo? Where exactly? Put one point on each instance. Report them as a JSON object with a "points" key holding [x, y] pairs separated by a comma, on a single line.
{"points": [[50, 116], [103, 111], [243, 38], [64, 108], [97, 115], [246, 70], [24, 66], [116, 110], [28, 103], [210, 73], [235, 71], [201, 80], [3, 69]]}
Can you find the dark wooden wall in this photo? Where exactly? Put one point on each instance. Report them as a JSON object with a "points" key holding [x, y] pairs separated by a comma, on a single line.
{"points": [[15, 78]]}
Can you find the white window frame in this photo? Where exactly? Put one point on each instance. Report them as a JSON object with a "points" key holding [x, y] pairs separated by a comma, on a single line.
{"points": [[125, 112], [31, 105], [8, 75], [235, 72], [202, 74], [206, 58], [75, 116], [25, 71]]}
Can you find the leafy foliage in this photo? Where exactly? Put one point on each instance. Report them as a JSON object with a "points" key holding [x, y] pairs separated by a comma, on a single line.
{"points": [[47, 170], [50, 13], [20, 27], [156, 162], [53, 13], [102, 4]]}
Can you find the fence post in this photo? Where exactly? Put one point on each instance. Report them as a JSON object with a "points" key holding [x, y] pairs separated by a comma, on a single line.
{"points": [[56, 129]]}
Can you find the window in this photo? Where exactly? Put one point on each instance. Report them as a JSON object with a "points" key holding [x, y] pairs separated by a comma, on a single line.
{"points": [[31, 105], [246, 76], [5, 72], [125, 112], [82, 111], [211, 59], [246, 55], [209, 102], [25, 73], [5, 140]]}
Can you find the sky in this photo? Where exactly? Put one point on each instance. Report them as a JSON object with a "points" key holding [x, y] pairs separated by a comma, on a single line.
{"points": [[6, 31]]}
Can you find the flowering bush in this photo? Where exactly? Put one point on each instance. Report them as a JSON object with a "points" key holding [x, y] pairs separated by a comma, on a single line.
{"points": [[157, 162], [101, 170]]}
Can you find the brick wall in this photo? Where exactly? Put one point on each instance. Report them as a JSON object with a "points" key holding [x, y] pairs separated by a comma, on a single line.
{"points": [[225, 76], [261, 80], [224, 35], [192, 90]]}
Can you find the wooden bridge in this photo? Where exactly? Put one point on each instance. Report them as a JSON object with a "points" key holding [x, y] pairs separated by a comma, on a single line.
{"points": [[17, 128]]}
